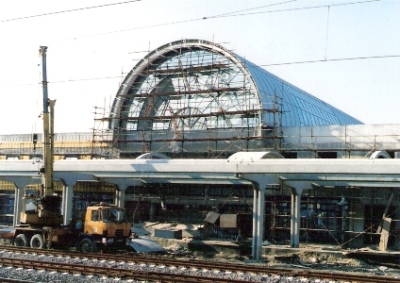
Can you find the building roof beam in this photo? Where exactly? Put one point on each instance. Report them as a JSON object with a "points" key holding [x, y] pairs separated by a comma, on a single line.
{"points": [[180, 70], [180, 93]]}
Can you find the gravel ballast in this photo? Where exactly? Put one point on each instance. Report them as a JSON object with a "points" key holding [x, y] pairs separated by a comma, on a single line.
{"points": [[44, 276]]}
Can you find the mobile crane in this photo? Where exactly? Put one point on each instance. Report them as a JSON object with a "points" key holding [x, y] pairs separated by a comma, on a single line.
{"points": [[104, 225]]}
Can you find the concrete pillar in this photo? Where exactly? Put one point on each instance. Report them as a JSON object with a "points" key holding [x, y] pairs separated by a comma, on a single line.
{"points": [[19, 192], [20, 183], [295, 217], [260, 183], [120, 197], [67, 204], [258, 221], [255, 221], [296, 189], [292, 219], [63, 200]]}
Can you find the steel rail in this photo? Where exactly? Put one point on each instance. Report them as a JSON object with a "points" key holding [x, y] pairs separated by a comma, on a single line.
{"points": [[80, 269], [208, 265]]}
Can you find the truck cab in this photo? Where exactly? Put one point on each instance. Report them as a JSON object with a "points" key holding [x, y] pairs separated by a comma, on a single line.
{"points": [[105, 225]]}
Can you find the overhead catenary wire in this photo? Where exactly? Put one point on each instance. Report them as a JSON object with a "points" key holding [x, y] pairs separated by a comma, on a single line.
{"points": [[231, 14], [372, 57], [254, 8], [68, 11], [228, 14], [333, 60], [292, 9]]}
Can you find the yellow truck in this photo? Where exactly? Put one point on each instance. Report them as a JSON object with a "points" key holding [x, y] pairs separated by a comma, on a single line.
{"points": [[104, 226]]}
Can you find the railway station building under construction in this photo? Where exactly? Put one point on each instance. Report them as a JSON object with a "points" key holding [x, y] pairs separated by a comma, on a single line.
{"points": [[196, 99]]}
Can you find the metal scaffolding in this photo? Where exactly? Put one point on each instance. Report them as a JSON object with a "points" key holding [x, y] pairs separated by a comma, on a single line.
{"points": [[192, 99]]}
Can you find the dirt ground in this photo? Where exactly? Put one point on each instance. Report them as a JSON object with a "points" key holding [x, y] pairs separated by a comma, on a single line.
{"points": [[306, 257]]}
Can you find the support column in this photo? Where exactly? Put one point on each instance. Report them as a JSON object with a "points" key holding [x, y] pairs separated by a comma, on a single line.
{"points": [[20, 183], [260, 182], [67, 203], [255, 221], [296, 189], [17, 205], [258, 224], [120, 197], [295, 218]]}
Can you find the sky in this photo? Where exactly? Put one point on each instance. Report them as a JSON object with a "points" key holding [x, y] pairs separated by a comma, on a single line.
{"points": [[346, 53]]}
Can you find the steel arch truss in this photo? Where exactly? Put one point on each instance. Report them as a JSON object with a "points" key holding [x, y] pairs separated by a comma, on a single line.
{"points": [[187, 89]]}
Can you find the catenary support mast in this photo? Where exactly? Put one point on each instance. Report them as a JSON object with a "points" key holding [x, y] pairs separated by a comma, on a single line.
{"points": [[47, 169]]}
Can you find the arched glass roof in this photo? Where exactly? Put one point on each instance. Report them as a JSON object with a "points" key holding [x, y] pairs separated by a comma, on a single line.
{"points": [[196, 96], [299, 108], [195, 84], [187, 86]]}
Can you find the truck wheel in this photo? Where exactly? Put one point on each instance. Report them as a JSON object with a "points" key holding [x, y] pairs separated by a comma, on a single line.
{"points": [[37, 242], [86, 245], [21, 241]]}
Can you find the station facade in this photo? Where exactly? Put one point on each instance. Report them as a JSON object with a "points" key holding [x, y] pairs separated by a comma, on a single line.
{"points": [[196, 99]]}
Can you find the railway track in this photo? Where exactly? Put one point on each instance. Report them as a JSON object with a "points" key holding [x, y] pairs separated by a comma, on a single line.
{"points": [[87, 269], [99, 271]]}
